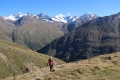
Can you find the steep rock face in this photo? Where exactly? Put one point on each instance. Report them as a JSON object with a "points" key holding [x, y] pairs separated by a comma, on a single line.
{"points": [[98, 36]]}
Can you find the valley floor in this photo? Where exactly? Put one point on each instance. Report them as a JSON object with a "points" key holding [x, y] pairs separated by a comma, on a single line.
{"points": [[104, 67]]}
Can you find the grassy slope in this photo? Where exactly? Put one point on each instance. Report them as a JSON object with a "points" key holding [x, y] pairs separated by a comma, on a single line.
{"points": [[36, 35], [31, 33], [104, 67], [3, 32], [5, 29], [15, 59]]}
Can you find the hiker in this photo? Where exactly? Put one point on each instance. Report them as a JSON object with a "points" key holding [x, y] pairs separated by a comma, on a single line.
{"points": [[50, 63]]}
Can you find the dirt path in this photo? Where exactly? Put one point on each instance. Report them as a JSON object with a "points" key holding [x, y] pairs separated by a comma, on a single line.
{"points": [[39, 73]]}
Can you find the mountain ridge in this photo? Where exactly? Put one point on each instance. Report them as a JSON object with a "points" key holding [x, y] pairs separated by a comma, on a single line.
{"points": [[59, 17], [97, 36]]}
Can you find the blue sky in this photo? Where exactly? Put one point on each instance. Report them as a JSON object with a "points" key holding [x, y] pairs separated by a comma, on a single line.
{"points": [[54, 7]]}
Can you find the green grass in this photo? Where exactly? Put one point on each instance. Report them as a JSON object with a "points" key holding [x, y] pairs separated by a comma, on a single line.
{"points": [[4, 69], [106, 73], [36, 35], [103, 67], [16, 59], [98, 68]]}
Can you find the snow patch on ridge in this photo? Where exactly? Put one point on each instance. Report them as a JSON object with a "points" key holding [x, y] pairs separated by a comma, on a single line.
{"points": [[64, 19], [59, 17], [11, 17], [48, 20], [15, 16], [43, 16], [88, 16]]}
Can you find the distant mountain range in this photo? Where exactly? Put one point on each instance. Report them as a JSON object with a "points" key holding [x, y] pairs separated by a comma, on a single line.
{"points": [[36, 31], [59, 17], [95, 37], [72, 37]]}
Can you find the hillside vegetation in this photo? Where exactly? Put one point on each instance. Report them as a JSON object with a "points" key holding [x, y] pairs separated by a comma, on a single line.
{"points": [[103, 67], [35, 34], [5, 29], [29, 32], [16, 59]]}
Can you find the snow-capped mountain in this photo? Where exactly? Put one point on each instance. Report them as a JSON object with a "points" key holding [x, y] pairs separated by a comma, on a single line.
{"points": [[15, 16], [59, 17], [32, 15], [43, 16], [88, 16], [65, 19], [19, 15], [85, 18]]}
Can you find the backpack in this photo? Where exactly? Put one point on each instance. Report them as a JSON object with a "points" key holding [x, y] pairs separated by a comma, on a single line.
{"points": [[50, 62]]}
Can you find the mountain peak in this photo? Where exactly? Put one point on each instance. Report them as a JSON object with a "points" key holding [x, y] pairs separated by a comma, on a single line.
{"points": [[42, 13], [59, 16], [14, 16], [43, 16], [20, 13], [88, 14], [65, 19]]}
